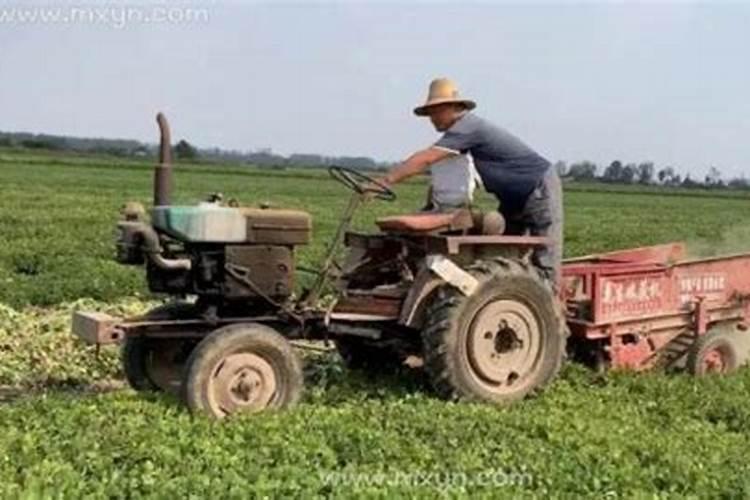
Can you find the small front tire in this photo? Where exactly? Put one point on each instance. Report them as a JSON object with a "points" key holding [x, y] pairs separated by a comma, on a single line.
{"points": [[243, 368]]}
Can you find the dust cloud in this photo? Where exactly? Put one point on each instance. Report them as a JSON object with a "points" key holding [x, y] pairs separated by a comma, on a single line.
{"points": [[734, 240]]}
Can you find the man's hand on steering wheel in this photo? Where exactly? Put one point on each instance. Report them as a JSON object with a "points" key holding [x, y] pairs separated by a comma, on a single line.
{"points": [[371, 190], [368, 187]]}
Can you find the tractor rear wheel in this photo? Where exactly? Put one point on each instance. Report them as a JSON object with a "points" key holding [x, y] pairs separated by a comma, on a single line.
{"points": [[715, 352], [155, 364], [501, 343], [242, 368]]}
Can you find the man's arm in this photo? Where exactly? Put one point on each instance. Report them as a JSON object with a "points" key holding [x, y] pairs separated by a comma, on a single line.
{"points": [[417, 163]]}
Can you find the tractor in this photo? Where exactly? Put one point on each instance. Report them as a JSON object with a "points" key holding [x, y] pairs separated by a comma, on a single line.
{"points": [[444, 291]]}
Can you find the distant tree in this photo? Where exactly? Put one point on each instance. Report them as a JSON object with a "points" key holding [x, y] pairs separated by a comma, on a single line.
{"points": [[36, 144], [266, 157], [112, 151], [689, 183], [665, 175], [713, 178], [629, 172], [645, 173], [185, 151], [739, 183], [613, 173], [6, 141], [357, 162], [306, 160], [54, 142], [583, 171], [668, 177]]}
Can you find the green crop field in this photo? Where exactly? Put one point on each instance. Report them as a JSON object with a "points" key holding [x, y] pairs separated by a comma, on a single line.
{"points": [[70, 428]]}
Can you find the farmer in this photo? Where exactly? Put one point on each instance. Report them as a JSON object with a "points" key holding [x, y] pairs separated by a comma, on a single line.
{"points": [[525, 184]]}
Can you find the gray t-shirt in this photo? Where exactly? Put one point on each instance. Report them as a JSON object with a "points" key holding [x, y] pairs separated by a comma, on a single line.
{"points": [[509, 168]]}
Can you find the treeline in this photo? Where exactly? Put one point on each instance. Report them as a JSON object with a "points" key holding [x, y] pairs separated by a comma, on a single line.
{"points": [[646, 173], [183, 150], [617, 172], [117, 147]]}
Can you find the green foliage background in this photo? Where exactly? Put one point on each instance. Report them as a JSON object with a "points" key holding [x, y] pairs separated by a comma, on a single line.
{"points": [[69, 429]]}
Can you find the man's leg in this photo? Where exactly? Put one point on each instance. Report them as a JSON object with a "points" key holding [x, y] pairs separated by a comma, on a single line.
{"points": [[514, 224], [543, 214]]}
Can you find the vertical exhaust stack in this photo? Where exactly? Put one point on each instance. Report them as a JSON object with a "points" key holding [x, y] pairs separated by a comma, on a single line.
{"points": [[163, 171]]}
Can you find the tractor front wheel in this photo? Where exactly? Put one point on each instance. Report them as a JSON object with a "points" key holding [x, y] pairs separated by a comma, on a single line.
{"points": [[715, 352], [499, 344], [243, 368]]}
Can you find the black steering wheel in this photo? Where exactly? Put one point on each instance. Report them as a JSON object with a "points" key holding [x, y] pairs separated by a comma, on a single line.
{"points": [[361, 183]]}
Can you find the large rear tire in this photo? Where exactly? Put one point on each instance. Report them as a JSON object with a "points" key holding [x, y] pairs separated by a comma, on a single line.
{"points": [[242, 368], [152, 364], [500, 344]]}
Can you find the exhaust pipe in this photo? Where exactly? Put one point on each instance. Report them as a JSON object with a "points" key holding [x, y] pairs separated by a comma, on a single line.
{"points": [[139, 233], [163, 171]]}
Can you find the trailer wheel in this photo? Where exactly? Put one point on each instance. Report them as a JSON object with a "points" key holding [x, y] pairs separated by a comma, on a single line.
{"points": [[152, 364], [498, 345], [715, 352], [243, 368]]}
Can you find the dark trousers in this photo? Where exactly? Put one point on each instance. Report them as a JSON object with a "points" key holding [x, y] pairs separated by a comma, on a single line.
{"points": [[542, 215]]}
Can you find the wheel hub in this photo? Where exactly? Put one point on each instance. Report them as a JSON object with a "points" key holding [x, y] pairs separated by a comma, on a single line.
{"points": [[242, 382], [506, 339], [503, 343], [713, 361]]}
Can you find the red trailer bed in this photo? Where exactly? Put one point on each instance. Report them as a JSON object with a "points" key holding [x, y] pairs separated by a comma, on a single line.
{"points": [[652, 306]]}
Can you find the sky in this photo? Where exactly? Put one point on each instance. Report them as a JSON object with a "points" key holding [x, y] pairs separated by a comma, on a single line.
{"points": [[666, 82]]}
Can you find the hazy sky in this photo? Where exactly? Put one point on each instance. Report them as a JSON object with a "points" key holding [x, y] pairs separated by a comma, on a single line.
{"points": [[667, 82]]}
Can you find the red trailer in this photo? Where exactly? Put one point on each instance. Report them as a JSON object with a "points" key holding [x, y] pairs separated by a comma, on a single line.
{"points": [[652, 306]]}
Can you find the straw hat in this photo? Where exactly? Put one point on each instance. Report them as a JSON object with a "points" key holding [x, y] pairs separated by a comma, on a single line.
{"points": [[442, 91]]}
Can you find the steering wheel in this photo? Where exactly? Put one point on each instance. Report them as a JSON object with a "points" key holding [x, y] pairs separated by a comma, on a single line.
{"points": [[361, 183]]}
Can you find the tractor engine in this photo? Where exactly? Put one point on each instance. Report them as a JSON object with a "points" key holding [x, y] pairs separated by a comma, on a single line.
{"points": [[211, 250], [219, 253]]}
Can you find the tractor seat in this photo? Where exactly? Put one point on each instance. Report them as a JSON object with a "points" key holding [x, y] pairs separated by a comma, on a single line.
{"points": [[427, 222]]}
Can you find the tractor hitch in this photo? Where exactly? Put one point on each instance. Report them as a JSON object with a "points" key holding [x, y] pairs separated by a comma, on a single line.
{"points": [[97, 328]]}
